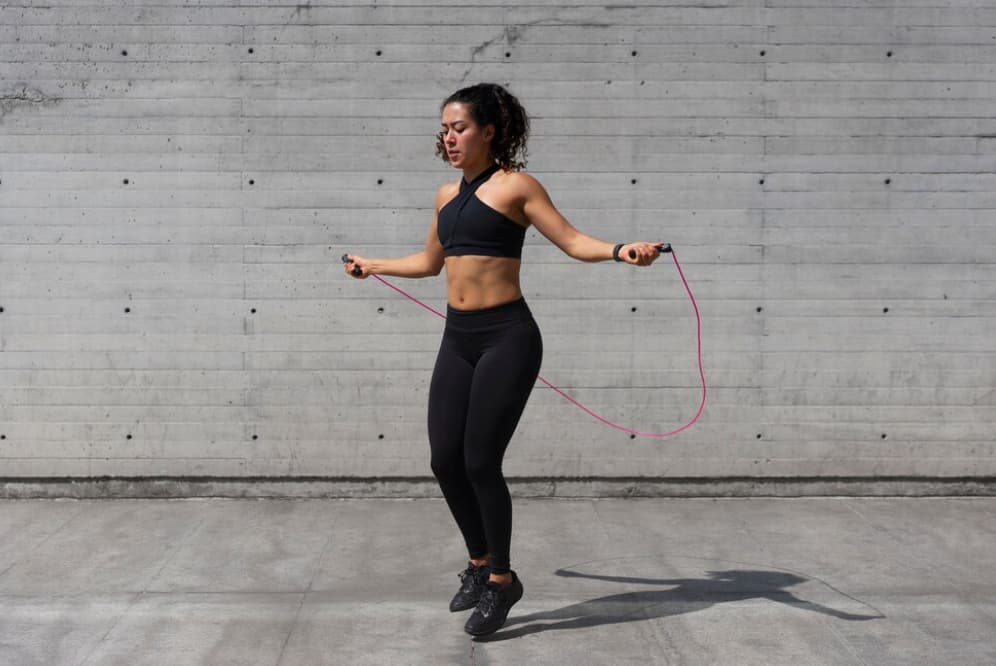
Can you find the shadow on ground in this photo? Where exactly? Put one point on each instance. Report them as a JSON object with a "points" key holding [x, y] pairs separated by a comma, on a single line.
{"points": [[686, 595]]}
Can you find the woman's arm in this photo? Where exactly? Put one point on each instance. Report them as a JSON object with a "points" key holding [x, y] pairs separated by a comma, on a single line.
{"points": [[426, 263], [543, 215]]}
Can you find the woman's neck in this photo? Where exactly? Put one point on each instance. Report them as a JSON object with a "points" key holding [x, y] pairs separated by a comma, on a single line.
{"points": [[470, 173]]}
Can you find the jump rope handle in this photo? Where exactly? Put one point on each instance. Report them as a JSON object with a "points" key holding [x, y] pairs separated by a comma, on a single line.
{"points": [[357, 271], [662, 247]]}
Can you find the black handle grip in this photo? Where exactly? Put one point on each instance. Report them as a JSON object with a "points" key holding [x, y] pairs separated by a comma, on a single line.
{"points": [[357, 271], [661, 247]]}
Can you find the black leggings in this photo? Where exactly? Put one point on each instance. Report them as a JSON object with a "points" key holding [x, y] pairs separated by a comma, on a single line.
{"points": [[487, 364]]}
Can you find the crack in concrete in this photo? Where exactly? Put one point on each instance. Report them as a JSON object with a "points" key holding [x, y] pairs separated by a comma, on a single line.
{"points": [[22, 95], [512, 34], [477, 49]]}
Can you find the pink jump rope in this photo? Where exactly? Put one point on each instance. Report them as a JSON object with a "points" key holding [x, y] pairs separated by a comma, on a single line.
{"points": [[663, 247]]}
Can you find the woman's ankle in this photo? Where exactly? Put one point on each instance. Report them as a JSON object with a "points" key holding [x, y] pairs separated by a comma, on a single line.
{"points": [[502, 579]]}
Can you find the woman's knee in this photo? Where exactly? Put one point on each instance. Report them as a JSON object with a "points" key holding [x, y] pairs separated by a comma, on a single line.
{"points": [[446, 467], [483, 472]]}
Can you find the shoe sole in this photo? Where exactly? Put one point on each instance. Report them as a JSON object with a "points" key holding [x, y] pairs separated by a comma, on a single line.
{"points": [[503, 620]]}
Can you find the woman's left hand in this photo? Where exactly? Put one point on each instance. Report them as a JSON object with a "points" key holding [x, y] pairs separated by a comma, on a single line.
{"points": [[640, 254]]}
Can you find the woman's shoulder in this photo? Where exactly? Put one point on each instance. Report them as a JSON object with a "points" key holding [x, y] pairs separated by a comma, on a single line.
{"points": [[525, 186], [518, 176], [521, 181], [446, 192]]}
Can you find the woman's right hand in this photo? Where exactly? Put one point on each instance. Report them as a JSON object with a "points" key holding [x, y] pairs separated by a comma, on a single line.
{"points": [[354, 262]]}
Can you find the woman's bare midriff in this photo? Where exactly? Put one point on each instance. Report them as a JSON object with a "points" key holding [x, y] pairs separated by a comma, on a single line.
{"points": [[475, 282]]}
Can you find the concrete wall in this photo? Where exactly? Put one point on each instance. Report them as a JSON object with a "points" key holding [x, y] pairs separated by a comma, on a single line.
{"points": [[178, 181]]}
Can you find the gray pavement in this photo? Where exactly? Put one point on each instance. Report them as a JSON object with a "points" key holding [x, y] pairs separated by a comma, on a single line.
{"points": [[609, 581]]}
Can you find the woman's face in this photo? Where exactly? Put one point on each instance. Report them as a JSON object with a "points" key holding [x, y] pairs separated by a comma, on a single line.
{"points": [[467, 144]]}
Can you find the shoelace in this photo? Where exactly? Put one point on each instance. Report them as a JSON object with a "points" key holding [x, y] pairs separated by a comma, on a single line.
{"points": [[475, 574], [489, 600]]}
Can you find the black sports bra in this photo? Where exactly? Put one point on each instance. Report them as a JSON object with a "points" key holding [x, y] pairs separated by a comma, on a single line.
{"points": [[466, 225]]}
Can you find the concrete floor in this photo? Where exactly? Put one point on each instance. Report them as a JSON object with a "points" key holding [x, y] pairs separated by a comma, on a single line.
{"points": [[611, 581]]}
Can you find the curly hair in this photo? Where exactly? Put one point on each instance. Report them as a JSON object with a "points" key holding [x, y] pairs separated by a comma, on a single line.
{"points": [[491, 104]]}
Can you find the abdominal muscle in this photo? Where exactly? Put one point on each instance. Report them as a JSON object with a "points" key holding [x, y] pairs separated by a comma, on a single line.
{"points": [[476, 282]]}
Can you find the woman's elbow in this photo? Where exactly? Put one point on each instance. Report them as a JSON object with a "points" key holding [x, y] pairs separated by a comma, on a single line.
{"points": [[434, 267], [576, 248]]}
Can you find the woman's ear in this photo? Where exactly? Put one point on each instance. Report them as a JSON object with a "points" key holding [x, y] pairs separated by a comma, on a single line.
{"points": [[488, 133]]}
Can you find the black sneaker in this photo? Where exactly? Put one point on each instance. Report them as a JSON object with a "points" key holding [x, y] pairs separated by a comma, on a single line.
{"points": [[492, 610], [472, 580]]}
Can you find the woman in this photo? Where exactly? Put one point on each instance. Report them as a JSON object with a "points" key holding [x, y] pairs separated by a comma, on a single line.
{"points": [[491, 349]]}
